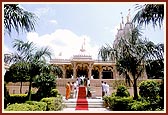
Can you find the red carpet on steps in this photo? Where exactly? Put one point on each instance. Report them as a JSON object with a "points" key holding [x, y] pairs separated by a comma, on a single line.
{"points": [[82, 103]]}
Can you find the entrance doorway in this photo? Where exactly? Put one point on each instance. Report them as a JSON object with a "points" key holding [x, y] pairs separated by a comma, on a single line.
{"points": [[107, 74], [82, 71]]}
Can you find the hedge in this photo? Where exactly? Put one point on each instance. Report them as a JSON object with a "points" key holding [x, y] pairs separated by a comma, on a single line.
{"points": [[42, 106], [18, 98], [53, 103], [22, 107]]}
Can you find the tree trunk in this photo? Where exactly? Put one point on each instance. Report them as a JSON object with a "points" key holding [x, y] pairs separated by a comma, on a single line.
{"points": [[135, 89], [29, 94], [21, 87]]}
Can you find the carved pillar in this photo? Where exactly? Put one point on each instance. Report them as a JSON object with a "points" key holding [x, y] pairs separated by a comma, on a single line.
{"points": [[114, 72], [74, 69], [90, 71], [100, 72], [64, 71]]}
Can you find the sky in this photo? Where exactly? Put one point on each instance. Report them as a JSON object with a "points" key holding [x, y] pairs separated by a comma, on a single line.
{"points": [[63, 27]]}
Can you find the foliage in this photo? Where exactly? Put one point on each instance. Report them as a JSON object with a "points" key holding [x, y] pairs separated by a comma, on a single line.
{"points": [[17, 73], [122, 91], [131, 53], [53, 103], [140, 106], [45, 82], [106, 101], [19, 107], [26, 107], [149, 13], [18, 98], [42, 105], [120, 103], [30, 59], [6, 96], [153, 89], [17, 18], [149, 90], [161, 94], [155, 69], [54, 93]]}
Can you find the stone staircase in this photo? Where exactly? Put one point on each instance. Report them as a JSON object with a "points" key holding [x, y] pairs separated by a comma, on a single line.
{"points": [[92, 103]]}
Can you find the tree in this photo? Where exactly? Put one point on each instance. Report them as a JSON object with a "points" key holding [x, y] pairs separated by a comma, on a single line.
{"points": [[149, 13], [16, 18], [31, 57], [45, 81], [131, 54], [17, 73]]}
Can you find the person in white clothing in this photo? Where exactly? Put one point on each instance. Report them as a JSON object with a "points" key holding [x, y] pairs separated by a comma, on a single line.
{"points": [[75, 90], [103, 88], [106, 89], [88, 82], [79, 81]]}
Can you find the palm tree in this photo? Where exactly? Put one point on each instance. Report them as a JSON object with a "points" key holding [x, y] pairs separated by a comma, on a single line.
{"points": [[130, 55], [149, 13], [16, 18], [31, 57]]}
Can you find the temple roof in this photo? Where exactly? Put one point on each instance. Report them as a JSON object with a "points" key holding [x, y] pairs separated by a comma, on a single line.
{"points": [[83, 55]]}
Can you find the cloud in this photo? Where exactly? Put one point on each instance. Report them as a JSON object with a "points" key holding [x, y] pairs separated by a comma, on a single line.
{"points": [[64, 42], [53, 21], [41, 11], [6, 49]]}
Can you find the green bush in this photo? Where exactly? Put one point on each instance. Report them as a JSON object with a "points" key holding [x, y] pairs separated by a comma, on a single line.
{"points": [[53, 103], [21, 107], [53, 93], [106, 101], [6, 96], [122, 91], [161, 94], [149, 90], [120, 103], [42, 106], [140, 106], [18, 98]]}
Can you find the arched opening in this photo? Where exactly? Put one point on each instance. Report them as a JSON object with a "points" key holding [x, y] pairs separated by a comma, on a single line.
{"points": [[107, 73], [69, 73], [95, 74], [82, 71]]}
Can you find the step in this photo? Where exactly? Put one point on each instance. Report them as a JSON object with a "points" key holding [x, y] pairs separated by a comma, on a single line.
{"points": [[92, 103]]}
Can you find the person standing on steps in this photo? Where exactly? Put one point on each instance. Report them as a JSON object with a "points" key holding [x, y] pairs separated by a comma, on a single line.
{"points": [[88, 81], [74, 90], [89, 95], [103, 88], [68, 91], [106, 89]]}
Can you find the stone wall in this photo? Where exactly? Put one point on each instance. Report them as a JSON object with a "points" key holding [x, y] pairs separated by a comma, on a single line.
{"points": [[14, 88]]}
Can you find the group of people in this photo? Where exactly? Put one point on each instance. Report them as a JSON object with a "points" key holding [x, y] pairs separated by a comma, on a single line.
{"points": [[72, 88], [105, 89]]}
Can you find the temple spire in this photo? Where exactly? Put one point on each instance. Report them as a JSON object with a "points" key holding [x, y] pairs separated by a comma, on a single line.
{"points": [[83, 46], [129, 16], [122, 22]]}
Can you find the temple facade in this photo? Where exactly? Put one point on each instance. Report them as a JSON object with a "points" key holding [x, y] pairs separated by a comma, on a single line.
{"points": [[84, 65]]}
